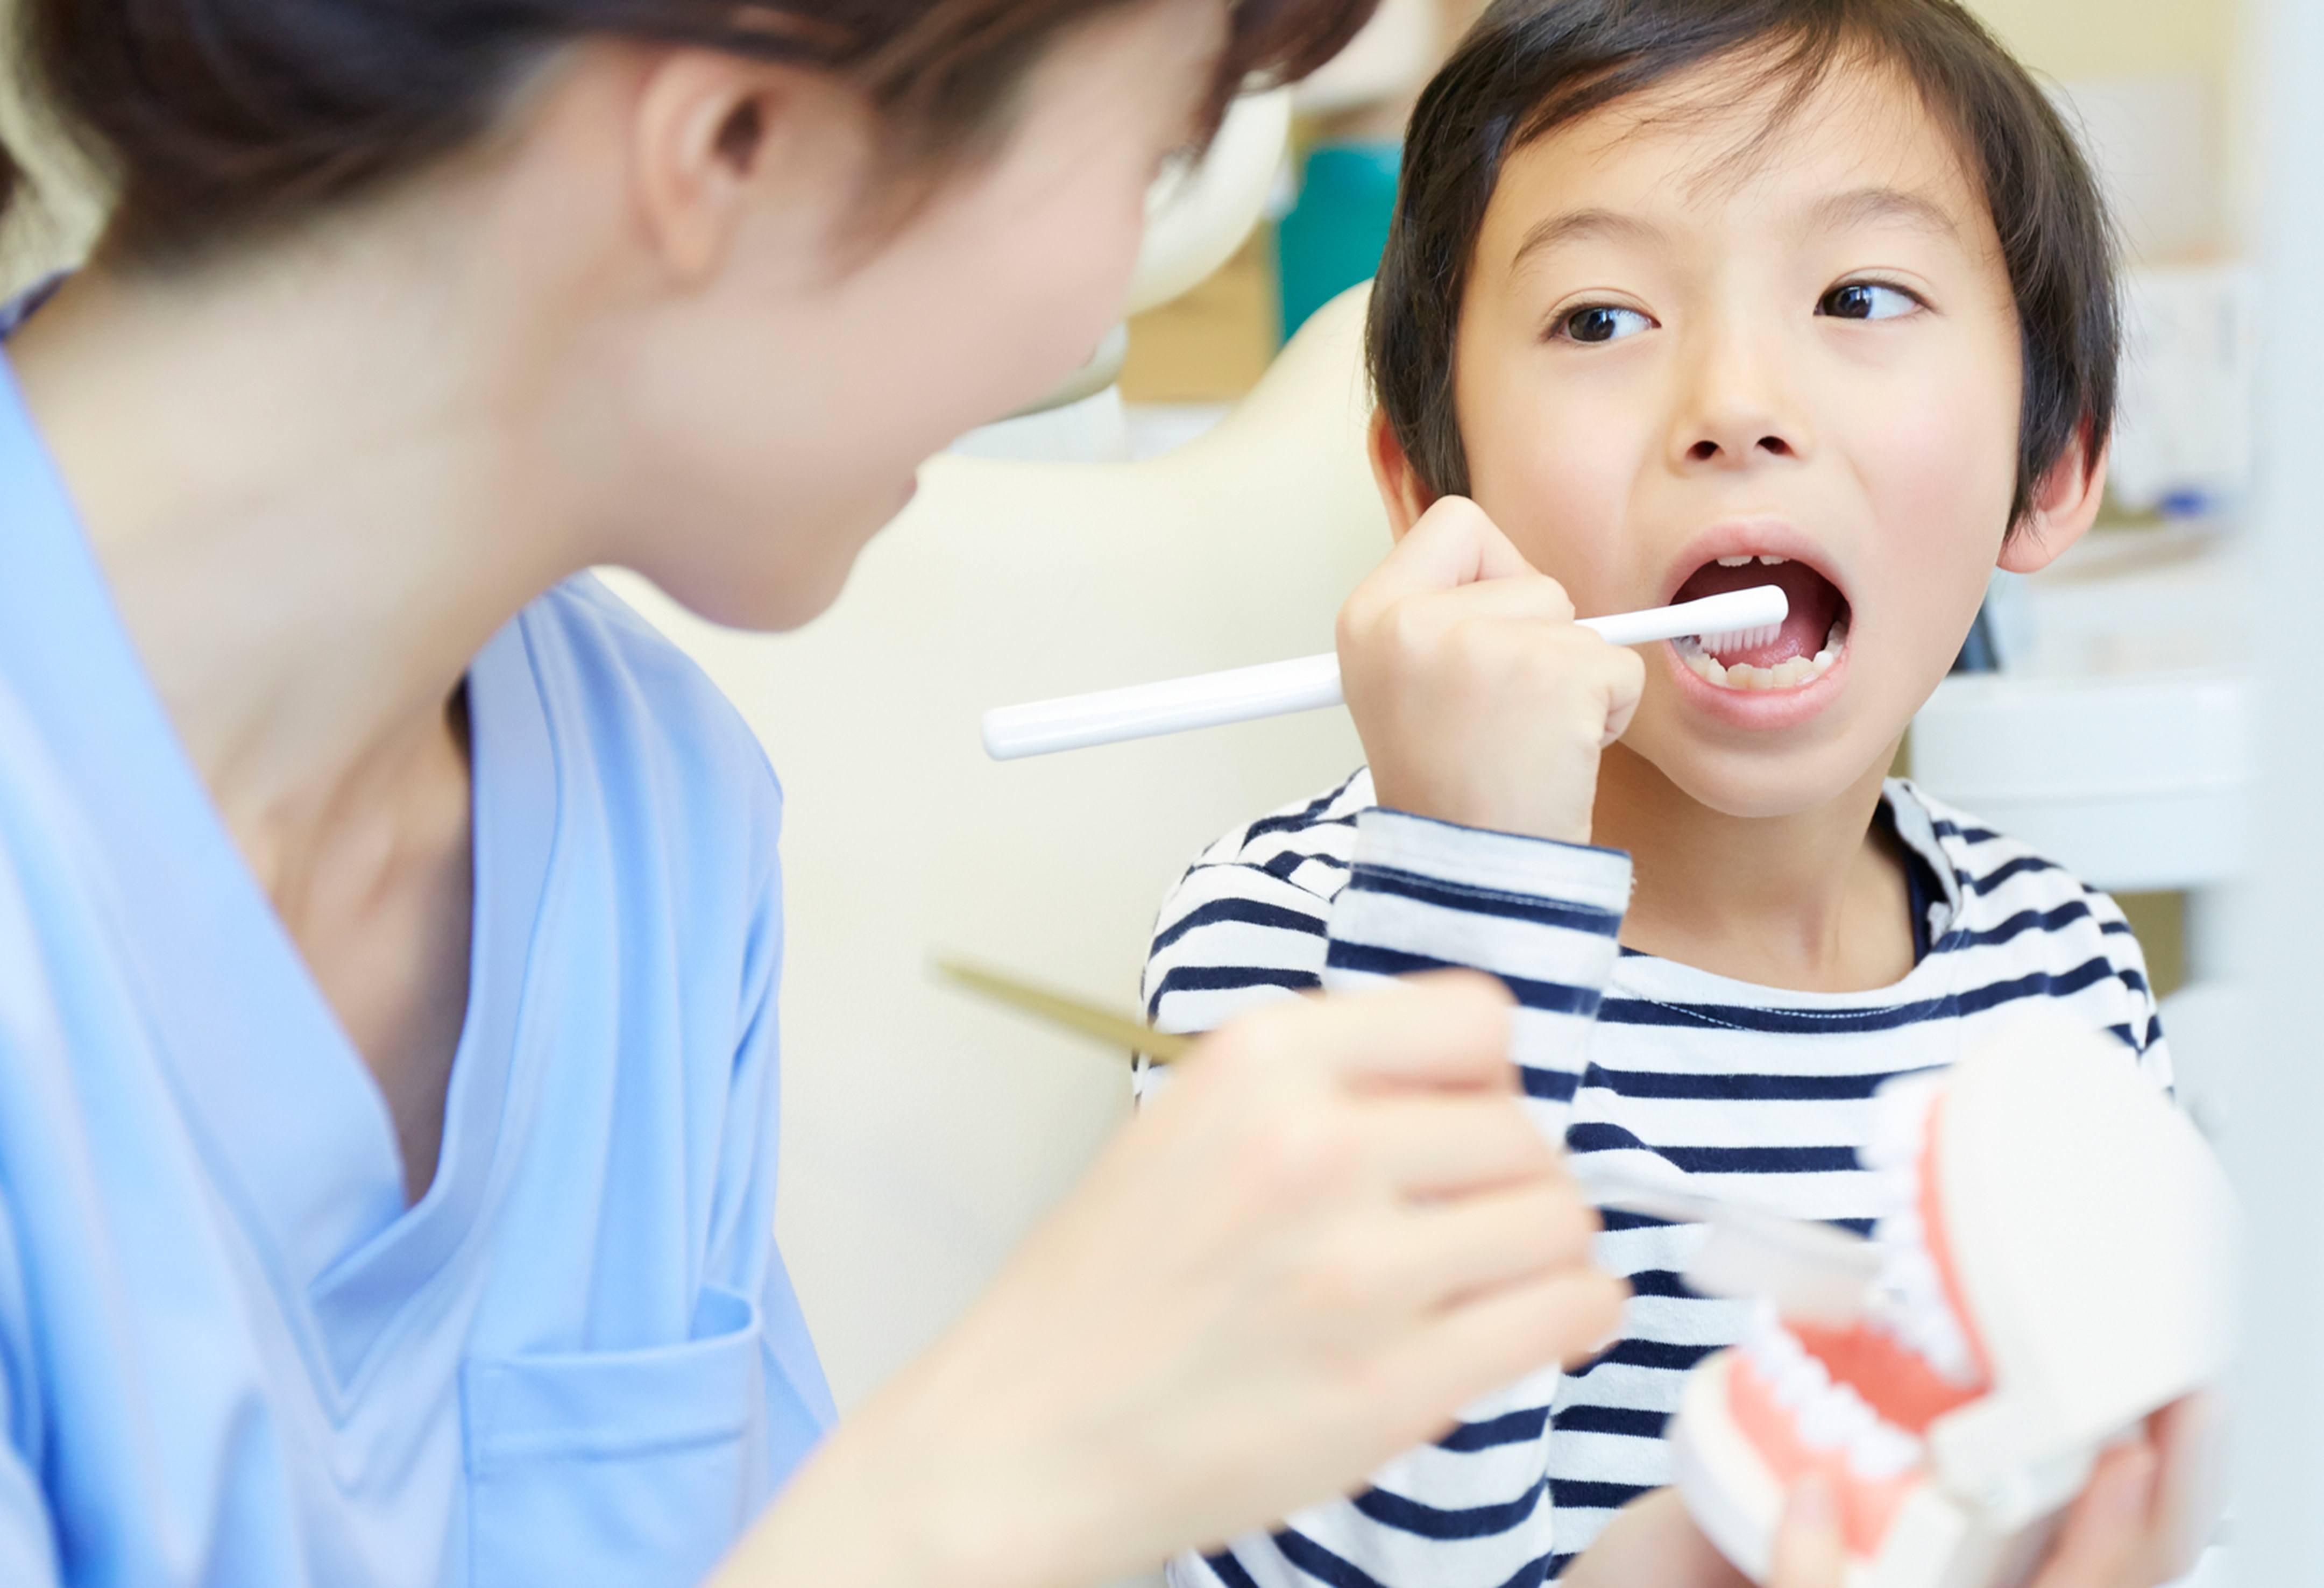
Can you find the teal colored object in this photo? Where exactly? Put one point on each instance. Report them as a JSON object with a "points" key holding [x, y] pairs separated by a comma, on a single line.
{"points": [[1334, 235]]}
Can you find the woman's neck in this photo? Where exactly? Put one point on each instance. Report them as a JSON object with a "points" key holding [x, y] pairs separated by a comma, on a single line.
{"points": [[311, 512], [1815, 901]]}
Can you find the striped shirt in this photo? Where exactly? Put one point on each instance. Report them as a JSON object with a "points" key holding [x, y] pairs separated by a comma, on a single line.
{"points": [[1708, 1084]]}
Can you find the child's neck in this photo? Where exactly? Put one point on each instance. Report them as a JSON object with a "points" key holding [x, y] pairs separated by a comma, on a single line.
{"points": [[1815, 901]]}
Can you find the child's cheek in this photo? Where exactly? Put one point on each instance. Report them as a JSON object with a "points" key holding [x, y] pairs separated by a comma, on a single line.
{"points": [[1939, 467], [1553, 469]]}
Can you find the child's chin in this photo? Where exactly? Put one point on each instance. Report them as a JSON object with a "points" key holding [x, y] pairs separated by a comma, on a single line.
{"points": [[1765, 784]]}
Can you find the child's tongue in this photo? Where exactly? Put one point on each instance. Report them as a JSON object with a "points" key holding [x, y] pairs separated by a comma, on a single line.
{"points": [[1815, 606]]}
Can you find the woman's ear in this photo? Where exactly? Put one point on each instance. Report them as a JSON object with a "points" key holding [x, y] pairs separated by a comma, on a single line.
{"points": [[2065, 505], [711, 130], [1400, 488]]}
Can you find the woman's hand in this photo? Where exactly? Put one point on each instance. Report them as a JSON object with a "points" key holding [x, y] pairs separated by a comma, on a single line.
{"points": [[2142, 1520], [1478, 699], [1335, 1228]]}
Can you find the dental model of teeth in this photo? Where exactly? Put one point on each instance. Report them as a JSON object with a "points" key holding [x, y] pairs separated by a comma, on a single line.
{"points": [[2055, 1262]]}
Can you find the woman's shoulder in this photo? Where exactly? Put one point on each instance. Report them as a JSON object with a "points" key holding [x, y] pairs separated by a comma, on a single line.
{"points": [[615, 686], [582, 706]]}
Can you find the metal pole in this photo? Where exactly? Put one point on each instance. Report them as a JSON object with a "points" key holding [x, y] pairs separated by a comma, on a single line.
{"points": [[2275, 1130]]}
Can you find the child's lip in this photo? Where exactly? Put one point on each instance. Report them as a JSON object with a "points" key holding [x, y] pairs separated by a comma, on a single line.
{"points": [[1754, 536], [1759, 710]]}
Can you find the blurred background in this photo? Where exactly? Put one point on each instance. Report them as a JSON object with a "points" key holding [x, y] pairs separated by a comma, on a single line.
{"points": [[1198, 500]]}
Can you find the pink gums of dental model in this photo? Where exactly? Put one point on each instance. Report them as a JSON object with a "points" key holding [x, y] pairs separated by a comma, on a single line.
{"points": [[2055, 1265]]}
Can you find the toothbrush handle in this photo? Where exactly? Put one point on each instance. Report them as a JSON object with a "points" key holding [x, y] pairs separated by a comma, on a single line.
{"points": [[1208, 701], [1278, 688]]}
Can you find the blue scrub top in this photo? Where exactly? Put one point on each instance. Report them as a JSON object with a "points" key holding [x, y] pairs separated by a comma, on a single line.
{"points": [[229, 1355]]}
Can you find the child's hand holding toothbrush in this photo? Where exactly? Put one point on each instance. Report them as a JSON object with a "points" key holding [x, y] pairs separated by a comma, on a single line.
{"points": [[1478, 699]]}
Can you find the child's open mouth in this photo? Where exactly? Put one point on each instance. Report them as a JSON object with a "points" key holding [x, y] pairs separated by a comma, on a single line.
{"points": [[1805, 647]]}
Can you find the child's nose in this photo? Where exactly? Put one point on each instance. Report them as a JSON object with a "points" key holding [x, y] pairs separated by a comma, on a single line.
{"points": [[1737, 415]]}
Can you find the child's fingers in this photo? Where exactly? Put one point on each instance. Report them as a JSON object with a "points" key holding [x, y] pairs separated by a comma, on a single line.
{"points": [[1530, 598], [1627, 686], [2106, 1538], [1809, 1550], [1454, 543]]}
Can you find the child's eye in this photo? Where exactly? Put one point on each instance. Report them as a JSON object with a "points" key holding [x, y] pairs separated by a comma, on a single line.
{"points": [[1868, 300], [1600, 322]]}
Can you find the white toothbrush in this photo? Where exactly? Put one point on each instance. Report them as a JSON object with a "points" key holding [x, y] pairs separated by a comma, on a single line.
{"points": [[1745, 618]]}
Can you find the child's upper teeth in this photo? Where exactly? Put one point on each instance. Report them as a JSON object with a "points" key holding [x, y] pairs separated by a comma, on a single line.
{"points": [[1770, 560], [1735, 561]]}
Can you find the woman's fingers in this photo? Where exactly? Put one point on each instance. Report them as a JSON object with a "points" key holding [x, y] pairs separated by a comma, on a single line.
{"points": [[2107, 1537], [1810, 1552], [1336, 1228], [1484, 1241], [2191, 1437], [1493, 1340], [1449, 1029], [1437, 1144]]}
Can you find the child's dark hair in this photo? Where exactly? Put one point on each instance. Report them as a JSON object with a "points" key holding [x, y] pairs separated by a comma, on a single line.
{"points": [[213, 118], [1530, 67]]}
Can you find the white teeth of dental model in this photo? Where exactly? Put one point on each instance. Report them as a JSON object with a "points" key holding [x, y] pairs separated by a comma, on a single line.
{"points": [[1829, 1414], [1785, 675], [1900, 1125], [1908, 1301]]}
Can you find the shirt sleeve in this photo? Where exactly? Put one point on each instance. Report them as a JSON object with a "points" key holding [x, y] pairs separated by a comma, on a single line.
{"points": [[1418, 895], [743, 1255], [1543, 917]]}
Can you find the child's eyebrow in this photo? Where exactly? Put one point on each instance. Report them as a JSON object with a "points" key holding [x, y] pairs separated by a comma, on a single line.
{"points": [[1582, 223], [1868, 205]]}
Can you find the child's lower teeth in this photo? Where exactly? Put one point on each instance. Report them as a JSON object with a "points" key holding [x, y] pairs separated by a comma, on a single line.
{"points": [[1785, 675]]}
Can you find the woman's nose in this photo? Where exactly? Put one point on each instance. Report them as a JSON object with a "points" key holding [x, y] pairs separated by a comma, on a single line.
{"points": [[1737, 413]]}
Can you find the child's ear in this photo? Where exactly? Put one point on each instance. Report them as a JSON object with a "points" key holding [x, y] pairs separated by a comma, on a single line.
{"points": [[1401, 491], [2065, 505]]}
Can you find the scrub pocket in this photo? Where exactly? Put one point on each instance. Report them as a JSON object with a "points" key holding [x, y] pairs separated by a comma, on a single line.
{"points": [[636, 1468]]}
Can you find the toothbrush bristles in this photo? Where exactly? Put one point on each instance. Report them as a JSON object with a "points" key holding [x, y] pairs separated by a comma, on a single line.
{"points": [[1741, 639]]}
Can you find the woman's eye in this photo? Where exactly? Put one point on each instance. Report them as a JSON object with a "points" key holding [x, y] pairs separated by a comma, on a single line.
{"points": [[1868, 300], [1601, 322]]}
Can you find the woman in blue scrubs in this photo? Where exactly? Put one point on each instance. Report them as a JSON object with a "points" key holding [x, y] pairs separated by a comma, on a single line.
{"points": [[390, 922]]}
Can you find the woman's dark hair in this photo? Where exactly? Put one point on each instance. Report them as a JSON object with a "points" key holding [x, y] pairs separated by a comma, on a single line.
{"points": [[212, 117], [1530, 67]]}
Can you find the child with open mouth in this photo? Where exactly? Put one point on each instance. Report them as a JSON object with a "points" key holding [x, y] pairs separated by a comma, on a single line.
{"points": [[1684, 297]]}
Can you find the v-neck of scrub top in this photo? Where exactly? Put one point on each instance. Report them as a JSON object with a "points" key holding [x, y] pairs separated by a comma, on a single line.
{"points": [[296, 1129]]}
